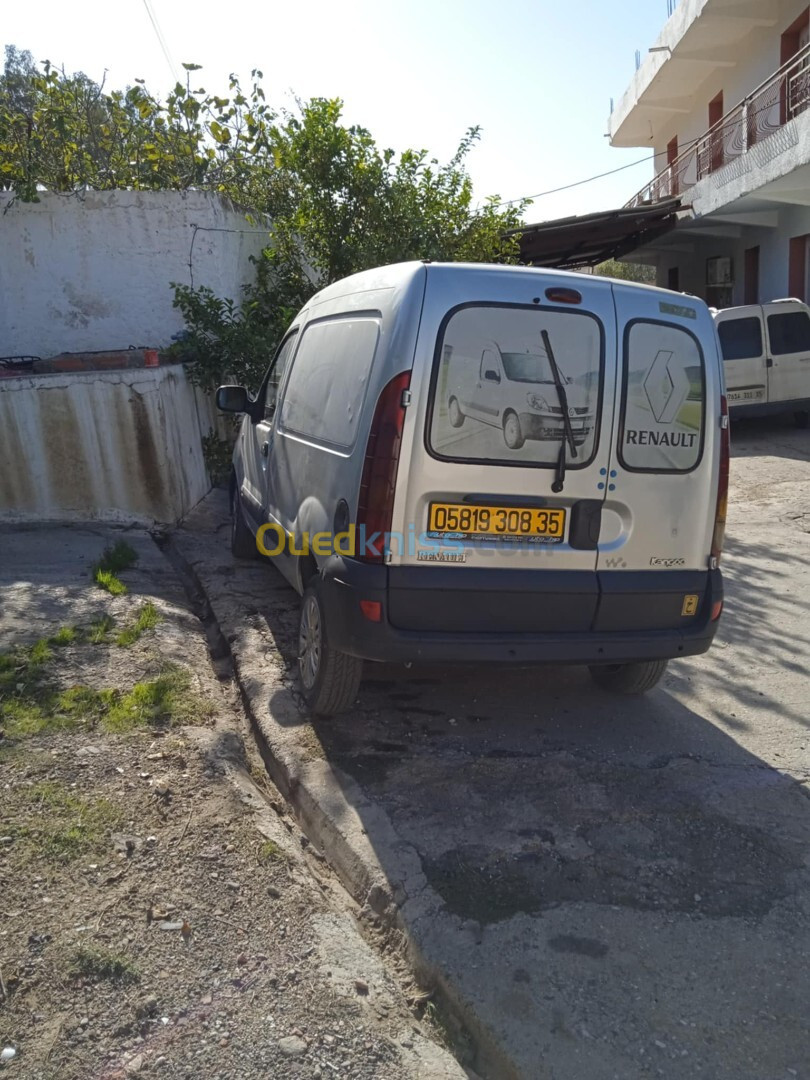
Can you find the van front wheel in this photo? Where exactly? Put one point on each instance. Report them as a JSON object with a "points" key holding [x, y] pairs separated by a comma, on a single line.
{"points": [[329, 679], [456, 415], [629, 678], [512, 435]]}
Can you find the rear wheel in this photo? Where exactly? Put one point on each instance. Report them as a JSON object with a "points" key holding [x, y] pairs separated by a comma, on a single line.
{"points": [[512, 435], [243, 543], [456, 415], [329, 679], [801, 418], [629, 678]]}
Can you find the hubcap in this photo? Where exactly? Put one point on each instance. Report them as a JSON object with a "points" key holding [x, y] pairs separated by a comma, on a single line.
{"points": [[511, 430], [309, 642]]}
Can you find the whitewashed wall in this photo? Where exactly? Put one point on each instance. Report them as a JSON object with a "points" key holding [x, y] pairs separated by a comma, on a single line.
{"points": [[93, 270]]}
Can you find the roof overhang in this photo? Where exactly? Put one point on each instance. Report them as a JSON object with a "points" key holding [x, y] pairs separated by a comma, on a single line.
{"points": [[575, 242]]}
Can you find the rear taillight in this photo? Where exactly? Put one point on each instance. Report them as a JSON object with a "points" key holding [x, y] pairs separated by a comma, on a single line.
{"points": [[375, 505], [722, 486]]}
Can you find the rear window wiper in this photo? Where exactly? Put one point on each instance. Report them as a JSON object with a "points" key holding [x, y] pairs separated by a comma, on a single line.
{"points": [[562, 398]]}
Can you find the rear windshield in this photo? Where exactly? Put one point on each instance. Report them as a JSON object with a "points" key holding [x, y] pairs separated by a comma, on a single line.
{"points": [[493, 396], [663, 399], [740, 339]]}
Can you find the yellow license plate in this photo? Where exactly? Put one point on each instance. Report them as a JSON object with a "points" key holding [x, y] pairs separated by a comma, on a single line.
{"points": [[492, 522]]}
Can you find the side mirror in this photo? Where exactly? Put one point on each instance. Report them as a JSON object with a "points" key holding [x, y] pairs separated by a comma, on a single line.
{"points": [[233, 399], [492, 376]]}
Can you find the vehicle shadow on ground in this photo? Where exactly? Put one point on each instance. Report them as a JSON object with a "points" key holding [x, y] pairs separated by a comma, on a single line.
{"points": [[776, 436], [561, 832]]}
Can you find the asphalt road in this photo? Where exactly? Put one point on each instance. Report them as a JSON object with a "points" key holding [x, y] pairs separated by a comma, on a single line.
{"points": [[608, 888]]}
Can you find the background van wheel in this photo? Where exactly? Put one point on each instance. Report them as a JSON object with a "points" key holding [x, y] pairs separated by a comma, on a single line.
{"points": [[629, 678], [456, 415], [801, 418], [329, 679], [243, 542], [512, 435]]}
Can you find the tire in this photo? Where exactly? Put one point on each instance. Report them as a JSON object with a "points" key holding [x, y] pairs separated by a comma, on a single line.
{"points": [[456, 415], [512, 435], [629, 678], [329, 679], [243, 542], [801, 418]]}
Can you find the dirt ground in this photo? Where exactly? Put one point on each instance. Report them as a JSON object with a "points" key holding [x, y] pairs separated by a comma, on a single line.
{"points": [[161, 912]]}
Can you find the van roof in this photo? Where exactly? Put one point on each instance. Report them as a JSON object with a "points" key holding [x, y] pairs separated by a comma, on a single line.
{"points": [[398, 274]]}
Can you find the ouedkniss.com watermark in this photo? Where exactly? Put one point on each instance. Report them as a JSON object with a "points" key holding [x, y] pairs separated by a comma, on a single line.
{"points": [[357, 543]]}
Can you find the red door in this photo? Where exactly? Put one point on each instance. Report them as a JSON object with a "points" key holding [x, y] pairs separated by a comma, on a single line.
{"points": [[716, 137]]}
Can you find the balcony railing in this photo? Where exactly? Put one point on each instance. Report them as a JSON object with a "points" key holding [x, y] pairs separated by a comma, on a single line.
{"points": [[772, 105]]}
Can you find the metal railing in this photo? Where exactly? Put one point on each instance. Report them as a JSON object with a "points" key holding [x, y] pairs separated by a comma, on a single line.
{"points": [[772, 105]]}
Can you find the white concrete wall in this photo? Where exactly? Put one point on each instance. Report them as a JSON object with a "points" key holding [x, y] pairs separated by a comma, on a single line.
{"points": [[114, 445], [774, 252], [93, 270], [756, 58]]}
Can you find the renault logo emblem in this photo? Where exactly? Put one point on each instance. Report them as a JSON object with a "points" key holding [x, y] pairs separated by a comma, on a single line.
{"points": [[666, 387]]}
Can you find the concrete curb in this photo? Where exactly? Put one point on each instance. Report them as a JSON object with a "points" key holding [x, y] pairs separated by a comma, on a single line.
{"points": [[325, 801]]}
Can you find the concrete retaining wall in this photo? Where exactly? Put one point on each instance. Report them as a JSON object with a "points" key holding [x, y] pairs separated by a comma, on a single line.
{"points": [[94, 270], [110, 445]]}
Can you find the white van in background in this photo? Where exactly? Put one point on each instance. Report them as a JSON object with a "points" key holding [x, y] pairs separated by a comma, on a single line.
{"points": [[415, 534], [766, 356]]}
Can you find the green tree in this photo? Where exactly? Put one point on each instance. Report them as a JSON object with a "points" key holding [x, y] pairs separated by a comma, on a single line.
{"points": [[627, 271], [336, 202]]}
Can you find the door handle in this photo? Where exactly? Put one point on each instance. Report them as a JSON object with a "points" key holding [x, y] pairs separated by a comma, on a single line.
{"points": [[265, 449], [768, 361]]}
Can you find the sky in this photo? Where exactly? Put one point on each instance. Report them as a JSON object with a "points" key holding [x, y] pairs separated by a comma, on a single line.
{"points": [[537, 77]]}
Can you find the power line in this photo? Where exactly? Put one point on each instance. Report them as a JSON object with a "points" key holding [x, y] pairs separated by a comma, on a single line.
{"points": [[577, 183], [161, 40], [599, 176]]}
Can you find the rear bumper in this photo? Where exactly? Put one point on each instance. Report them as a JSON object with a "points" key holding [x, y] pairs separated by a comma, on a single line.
{"points": [[346, 582]]}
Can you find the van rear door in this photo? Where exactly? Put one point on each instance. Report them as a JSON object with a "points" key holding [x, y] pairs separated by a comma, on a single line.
{"points": [[742, 344], [658, 518], [789, 349], [480, 455]]}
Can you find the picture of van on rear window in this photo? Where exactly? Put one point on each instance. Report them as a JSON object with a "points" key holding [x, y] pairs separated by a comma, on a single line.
{"points": [[663, 402], [505, 376]]}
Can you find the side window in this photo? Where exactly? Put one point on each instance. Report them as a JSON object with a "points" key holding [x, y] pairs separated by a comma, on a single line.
{"points": [[740, 339], [489, 362], [329, 379], [664, 399], [789, 333], [276, 374]]}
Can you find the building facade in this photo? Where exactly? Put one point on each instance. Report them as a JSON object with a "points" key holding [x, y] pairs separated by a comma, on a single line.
{"points": [[723, 100]]}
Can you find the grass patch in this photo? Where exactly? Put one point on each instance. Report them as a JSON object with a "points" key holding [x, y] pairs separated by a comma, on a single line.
{"points": [[117, 557], [63, 825], [162, 702], [107, 580], [114, 558], [269, 851], [147, 619], [68, 635], [98, 633], [96, 964]]}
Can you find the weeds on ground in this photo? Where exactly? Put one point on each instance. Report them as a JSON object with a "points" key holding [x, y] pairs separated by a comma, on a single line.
{"points": [[61, 825], [147, 619], [30, 703], [115, 558], [162, 702], [269, 851], [98, 633], [94, 964]]}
